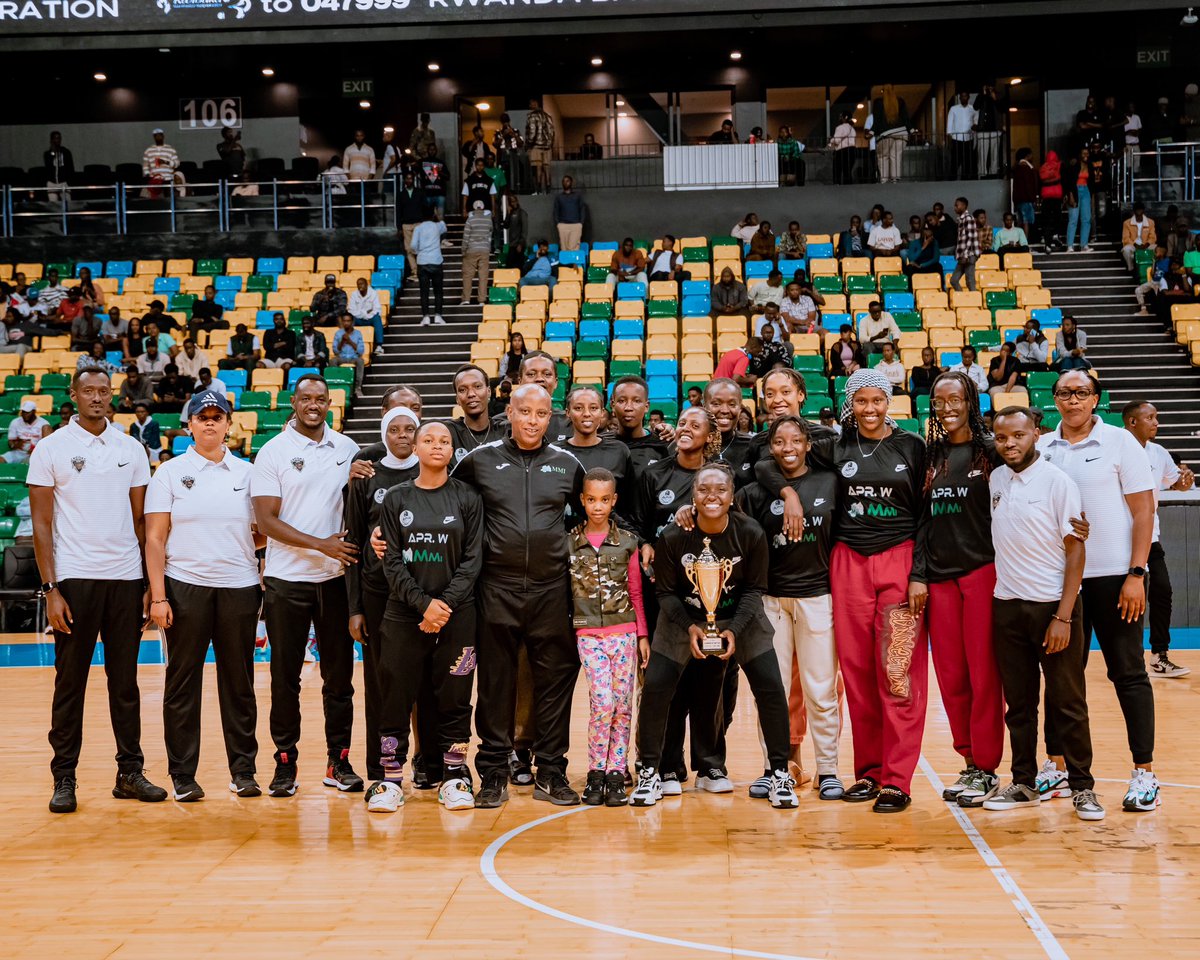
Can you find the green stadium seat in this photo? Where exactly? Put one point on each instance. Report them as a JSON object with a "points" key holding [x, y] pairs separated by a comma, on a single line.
{"points": [[273, 420], [591, 350], [1000, 300], [697, 254], [13, 472], [670, 409], [10, 402], [19, 383], [596, 311], [922, 405], [340, 377], [813, 405], [662, 308], [808, 362], [907, 320], [1041, 380], [182, 302], [625, 368], [255, 400], [283, 400], [258, 441], [168, 421], [893, 283], [296, 317], [597, 274], [259, 284], [984, 339], [210, 268], [502, 295], [860, 283], [827, 284], [65, 269], [56, 383], [8, 529], [911, 424]]}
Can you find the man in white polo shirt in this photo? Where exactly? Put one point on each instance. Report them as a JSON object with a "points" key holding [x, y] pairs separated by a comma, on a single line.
{"points": [[1117, 491], [87, 489], [1141, 420], [1037, 622], [297, 490]]}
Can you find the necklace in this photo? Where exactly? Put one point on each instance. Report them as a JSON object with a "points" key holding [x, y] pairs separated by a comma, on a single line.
{"points": [[858, 440], [471, 434]]}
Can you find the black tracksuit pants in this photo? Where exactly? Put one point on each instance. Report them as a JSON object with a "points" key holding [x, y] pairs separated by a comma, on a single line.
{"points": [[1159, 600], [289, 609], [112, 610], [228, 617]]}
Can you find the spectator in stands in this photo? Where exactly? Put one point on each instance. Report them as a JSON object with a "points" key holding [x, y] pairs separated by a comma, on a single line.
{"points": [[666, 263], [539, 141], [945, 228], [164, 341], [1181, 240], [735, 364], [160, 164], [542, 271], [793, 245], [476, 149], [349, 350], [569, 213], [328, 303], [1077, 190], [924, 375], [53, 293], [1051, 188], [1137, 234], [987, 134], [726, 134], [1176, 287], [1004, 372], [66, 411], [279, 345], [778, 329], [411, 206], [152, 362], [95, 358], [477, 253], [206, 381], [427, 251], [1031, 347], [884, 239], [91, 293], [745, 228], [843, 144], [762, 243], [311, 348], [775, 352], [172, 390], [478, 187], [391, 164], [771, 291], [1070, 348], [510, 363], [135, 339], [26, 429], [135, 389], [846, 355], [85, 329], [145, 430], [190, 360], [1010, 239], [59, 165], [800, 309], [927, 258], [1025, 190], [11, 335], [628, 264], [68, 311], [891, 367], [791, 163], [729, 296], [509, 146], [243, 351], [422, 138], [364, 306], [874, 219], [113, 330], [207, 314], [231, 151], [969, 368], [434, 178], [1147, 292], [516, 222], [966, 248], [590, 149], [984, 230], [960, 127], [890, 129], [335, 175], [359, 158], [852, 242], [915, 223], [157, 315], [877, 328]]}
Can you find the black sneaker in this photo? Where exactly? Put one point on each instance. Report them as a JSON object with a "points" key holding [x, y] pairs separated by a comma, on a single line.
{"points": [[520, 768], [244, 785], [284, 782], [861, 791], [614, 790], [556, 789], [135, 786], [187, 790], [63, 800], [494, 790], [341, 775], [593, 793], [892, 800]]}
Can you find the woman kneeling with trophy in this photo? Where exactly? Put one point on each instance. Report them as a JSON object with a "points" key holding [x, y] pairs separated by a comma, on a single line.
{"points": [[710, 583]]}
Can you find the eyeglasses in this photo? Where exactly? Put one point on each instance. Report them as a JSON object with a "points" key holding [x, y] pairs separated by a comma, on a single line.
{"points": [[953, 404], [1080, 394]]}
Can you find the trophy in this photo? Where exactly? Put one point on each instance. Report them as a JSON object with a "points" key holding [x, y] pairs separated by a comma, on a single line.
{"points": [[708, 574]]}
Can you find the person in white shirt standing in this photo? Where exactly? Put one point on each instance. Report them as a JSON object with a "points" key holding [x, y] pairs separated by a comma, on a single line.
{"points": [[960, 124], [427, 250], [972, 369], [204, 588], [87, 489], [160, 164], [365, 308], [359, 158], [1141, 419], [24, 433], [1113, 475], [297, 488], [1037, 616]]}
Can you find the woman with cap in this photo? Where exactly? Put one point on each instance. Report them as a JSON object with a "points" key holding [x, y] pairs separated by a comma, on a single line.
{"points": [[366, 585], [204, 587], [877, 574]]}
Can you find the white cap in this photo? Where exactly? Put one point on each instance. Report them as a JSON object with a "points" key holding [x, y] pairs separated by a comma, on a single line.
{"points": [[28, 406], [1163, 100], [1191, 89], [157, 130]]}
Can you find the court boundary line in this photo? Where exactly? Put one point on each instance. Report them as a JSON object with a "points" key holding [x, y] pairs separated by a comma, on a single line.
{"points": [[487, 866], [1028, 913]]}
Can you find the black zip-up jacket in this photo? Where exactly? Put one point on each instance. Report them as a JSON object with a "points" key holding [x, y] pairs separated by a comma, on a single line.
{"points": [[525, 495]]}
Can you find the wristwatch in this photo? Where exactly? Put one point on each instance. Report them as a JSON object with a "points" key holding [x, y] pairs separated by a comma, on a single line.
{"points": [[48, 587], [1137, 571]]}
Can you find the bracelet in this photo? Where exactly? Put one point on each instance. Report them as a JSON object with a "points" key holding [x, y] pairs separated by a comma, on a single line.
{"points": [[1068, 621], [153, 602]]}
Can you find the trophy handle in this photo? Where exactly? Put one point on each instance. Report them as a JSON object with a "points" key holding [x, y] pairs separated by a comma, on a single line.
{"points": [[689, 571]]}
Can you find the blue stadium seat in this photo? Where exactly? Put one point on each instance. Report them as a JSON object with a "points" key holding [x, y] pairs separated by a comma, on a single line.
{"points": [[628, 330], [269, 266], [180, 444], [227, 299], [985, 402], [631, 291], [95, 266], [659, 367], [386, 279], [948, 264], [228, 283], [663, 388], [950, 359], [390, 261], [898, 302], [295, 373], [833, 321], [591, 330], [115, 357], [1050, 318], [696, 288], [560, 330], [167, 285], [119, 268], [789, 267], [573, 258], [696, 306], [234, 379], [820, 251], [758, 269], [606, 245], [264, 319]]}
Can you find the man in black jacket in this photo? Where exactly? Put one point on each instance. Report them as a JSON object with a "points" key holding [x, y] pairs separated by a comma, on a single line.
{"points": [[523, 596], [279, 345], [410, 210]]}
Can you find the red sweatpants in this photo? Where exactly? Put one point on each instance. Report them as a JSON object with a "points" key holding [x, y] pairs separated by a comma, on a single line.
{"points": [[884, 660], [960, 636]]}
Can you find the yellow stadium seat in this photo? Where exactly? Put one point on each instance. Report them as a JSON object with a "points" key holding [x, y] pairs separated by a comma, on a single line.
{"points": [[696, 367], [32, 271], [564, 310], [931, 299], [805, 343], [1033, 297], [974, 318], [938, 317], [536, 293], [991, 280], [1002, 400], [913, 339], [726, 251], [835, 303], [239, 266], [1184, 311], [720, 266], [494, 330], [490, 366], [1185, 332], [965, 298], [1025, 278], [180, 268], [900, 407], [138, 284], [911, 358], [704, 325], [730, 341], [820, 238], [629, 310], [248, 301], [559, 349], [532, 309], [488, 348], [823, 268], [598, 292], [1011, 318], [9, 363], [44, 401], [509, 277], [686, 242], [600, 258], [568, 291], [729, 325], [700, 271], [662, 345], [988, 261], [628, 349], [856, 266], [498, 311], [925, 281], [299, 264], [860, 301], [662, 326], [940, 337], [885, 266], [570, 274], [1018, 261], [531, 330], [291, 281], [264, 378], [697, 343], [349, 279], [663, 290], [588, 371], [148, 268], [363, 262]]}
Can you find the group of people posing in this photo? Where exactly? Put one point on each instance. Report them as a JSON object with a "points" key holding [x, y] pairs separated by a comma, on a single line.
{"points": [[501, 553]]}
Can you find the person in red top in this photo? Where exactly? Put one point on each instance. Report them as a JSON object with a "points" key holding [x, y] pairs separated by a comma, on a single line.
{"points": [[733, 364], [68, 310]]}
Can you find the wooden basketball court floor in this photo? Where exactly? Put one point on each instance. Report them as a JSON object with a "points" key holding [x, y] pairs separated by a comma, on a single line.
{"points": [[701, 875]]}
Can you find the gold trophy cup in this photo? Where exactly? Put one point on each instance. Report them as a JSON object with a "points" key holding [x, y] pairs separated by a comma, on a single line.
{"points": [[708, 574]]}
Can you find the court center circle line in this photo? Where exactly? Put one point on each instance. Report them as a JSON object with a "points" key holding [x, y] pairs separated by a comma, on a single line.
{"points": [[487, 866]]}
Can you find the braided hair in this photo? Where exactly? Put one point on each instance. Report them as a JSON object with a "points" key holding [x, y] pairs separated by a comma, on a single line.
{"points": [[937, 454], [712, 445]]}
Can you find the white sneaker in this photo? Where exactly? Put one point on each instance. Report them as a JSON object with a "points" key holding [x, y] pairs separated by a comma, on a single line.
{"points": [[1161, 666], [379, 351], [981, 787], [1142, 795], [425, 321], [385, 797], [437, 318], [648, 790], [1016, 796], [456, 795], [760, 789], [1052, 782], [783, 791], [958, 786], [715, 781], [669, 785], [1087, 807], [464, 302]]}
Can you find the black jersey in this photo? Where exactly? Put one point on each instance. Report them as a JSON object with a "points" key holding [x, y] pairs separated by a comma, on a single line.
{"points": [[466, 439], [760, 446], [372, 452], [361, 515], [736, 453], [957, 531], [558, 432], [644, 451], [613, 456], [743, 542], [662, 489], [796, 569], [435, 547]]}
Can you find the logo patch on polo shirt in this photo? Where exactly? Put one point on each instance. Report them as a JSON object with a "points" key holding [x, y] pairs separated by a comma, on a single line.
{"points": [[380, 494], [78, 463], [995, 501], [406, 518], [666, 497], [297, 464], [777, 508], [849, 469], [187, 481]]}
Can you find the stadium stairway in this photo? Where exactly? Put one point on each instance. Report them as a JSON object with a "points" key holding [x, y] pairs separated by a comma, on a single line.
{"points": [[1135, 357], [425, 357]]}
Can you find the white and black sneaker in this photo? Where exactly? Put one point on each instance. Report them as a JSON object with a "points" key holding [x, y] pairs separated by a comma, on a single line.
{"points": [[760, 789], [980, 787], [1161, 666], [186, 790], [426, 320], [244, 785], [1052, 782], [669, 785], [385, 797], [648, 790], [456, 794], [1016, 796], [958, 786], [1142, 795], [783, 791], [714, 780], [438, 319], [1087, 807]]}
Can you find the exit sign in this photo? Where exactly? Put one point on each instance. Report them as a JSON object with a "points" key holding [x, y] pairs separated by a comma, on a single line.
{"points": [[358, 87], [1153, 58]]}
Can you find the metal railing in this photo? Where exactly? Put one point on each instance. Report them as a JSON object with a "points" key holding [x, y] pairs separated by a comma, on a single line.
{"points": [[1167, 172]]}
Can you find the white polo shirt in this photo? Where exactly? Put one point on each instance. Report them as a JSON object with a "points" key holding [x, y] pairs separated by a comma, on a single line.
{"points": [[94, 538], [210, 543], [1031, 514], [308, 477], [1165, 474], [1106, 466]]}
